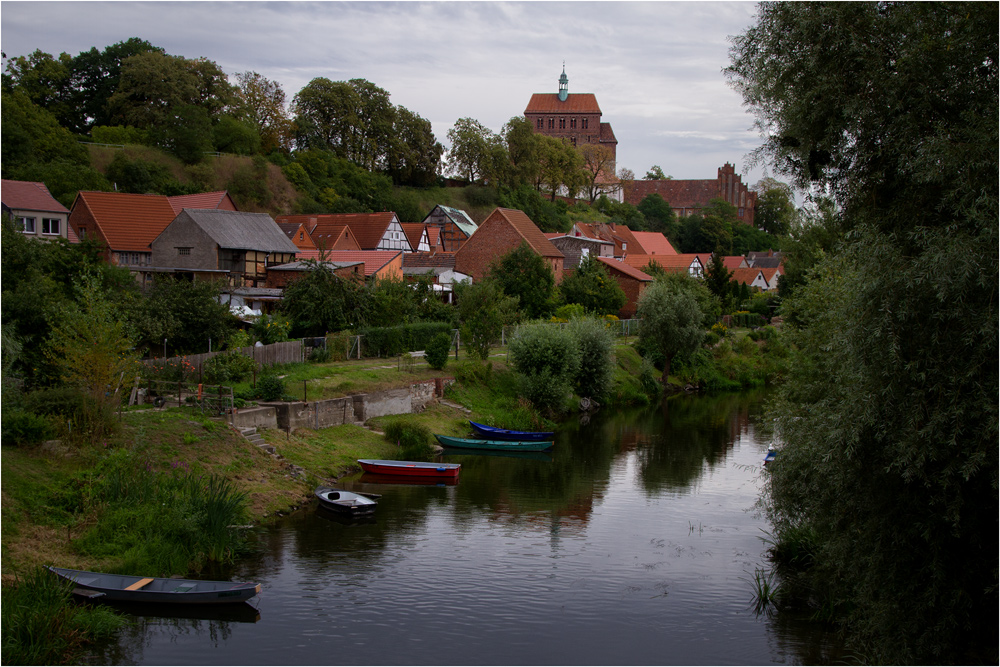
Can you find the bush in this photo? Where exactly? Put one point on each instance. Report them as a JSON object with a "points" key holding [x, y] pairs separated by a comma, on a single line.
{"points": [[229, 367], [547, 359], [393, 341], [711, 338], [570, 311], [25, 429], [414, 440], [66, 402], [437, 351], [271, 387], [320, 355], [596, 344]]}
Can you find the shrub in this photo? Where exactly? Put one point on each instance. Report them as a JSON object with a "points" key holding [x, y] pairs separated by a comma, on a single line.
{"points": [[270, 329], [547, 359], [720, 329], [25, 429], [711, 338], [320, 355], [62, 401], [437, 351], [393, 341], [229, 367], [570, 311], [596, 344], [414, 440], [271, 387]]}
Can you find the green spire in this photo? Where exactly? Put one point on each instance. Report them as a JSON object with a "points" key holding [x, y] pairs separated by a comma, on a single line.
{"points": [[563, 85]]}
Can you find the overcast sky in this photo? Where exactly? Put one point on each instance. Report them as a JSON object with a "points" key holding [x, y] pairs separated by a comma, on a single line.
{"points": [[655, 67]]}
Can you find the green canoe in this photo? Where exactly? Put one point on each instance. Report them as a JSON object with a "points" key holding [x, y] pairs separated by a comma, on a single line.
{"points": [[500, 445]]}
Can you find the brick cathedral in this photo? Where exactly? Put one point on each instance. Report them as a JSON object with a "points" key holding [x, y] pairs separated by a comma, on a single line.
{"points": [[575, 117]]}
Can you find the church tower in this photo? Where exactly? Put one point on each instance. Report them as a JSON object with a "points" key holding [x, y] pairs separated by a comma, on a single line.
{"points": [[563, 85]]}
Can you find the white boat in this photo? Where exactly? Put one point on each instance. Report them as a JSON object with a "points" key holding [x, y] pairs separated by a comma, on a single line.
{"points": [[345, 502]]}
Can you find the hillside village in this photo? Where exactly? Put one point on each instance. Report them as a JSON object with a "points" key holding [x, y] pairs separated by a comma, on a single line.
{"points": [[206, 237], [209, 236]]}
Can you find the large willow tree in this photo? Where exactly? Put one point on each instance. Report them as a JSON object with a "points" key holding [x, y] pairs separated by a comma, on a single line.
{"points": [[889, 419]]}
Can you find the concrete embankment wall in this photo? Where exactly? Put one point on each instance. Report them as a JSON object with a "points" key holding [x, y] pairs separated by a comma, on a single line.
{"points": [[346, 410]]}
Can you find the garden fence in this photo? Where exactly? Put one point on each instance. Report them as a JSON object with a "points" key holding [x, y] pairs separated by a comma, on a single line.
{"points": [[289, 352]]}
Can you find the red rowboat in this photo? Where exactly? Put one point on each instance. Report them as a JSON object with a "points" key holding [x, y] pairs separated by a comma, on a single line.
{"points": [[410, 468]]}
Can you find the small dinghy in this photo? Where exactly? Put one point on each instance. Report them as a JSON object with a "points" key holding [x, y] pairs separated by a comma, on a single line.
{"points": [[494, 433], [498, 445], [771, 455], [410, 468], [345, 502], [158, 590]]}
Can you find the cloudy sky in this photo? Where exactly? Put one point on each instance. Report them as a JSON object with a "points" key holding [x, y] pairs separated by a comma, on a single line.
{"points": [[655, 67]]}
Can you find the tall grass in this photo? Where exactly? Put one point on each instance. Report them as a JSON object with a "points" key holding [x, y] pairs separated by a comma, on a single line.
{"points": [[42, 626], [158, 523]]}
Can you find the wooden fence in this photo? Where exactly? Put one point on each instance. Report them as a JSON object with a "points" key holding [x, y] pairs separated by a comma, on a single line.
{"points": [[289, 352]]}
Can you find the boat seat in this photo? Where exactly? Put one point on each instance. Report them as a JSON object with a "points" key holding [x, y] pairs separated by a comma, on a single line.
{"points": [[139, 584]]}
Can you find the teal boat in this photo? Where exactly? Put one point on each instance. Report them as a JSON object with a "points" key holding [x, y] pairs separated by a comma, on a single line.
{"points": [[498, 445]]}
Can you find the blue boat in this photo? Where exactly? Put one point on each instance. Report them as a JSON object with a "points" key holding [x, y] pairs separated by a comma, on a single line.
{"points": [[771, 455], [493, 433]]}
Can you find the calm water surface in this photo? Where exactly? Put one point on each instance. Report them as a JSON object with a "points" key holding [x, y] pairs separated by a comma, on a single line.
{"points": [[632, 543]]}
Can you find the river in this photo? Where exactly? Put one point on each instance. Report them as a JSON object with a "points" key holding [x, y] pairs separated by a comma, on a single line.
{"points": [[633, 542]]}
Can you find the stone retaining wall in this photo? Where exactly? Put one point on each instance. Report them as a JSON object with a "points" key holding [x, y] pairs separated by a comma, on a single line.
{"points": [[355, 409]]}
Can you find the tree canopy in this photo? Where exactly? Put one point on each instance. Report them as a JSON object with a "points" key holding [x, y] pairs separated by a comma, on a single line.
{"points": [[889, 418]]}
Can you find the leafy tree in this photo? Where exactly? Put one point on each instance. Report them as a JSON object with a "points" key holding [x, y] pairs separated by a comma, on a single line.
{"points": [[33, 135], [261, 102], [521, 143], [413, 154], [523, 274], [389, 302], [889, 418], [655, 173], [437, 351], [483, 311], [561, 166], [775, 212], [717, 277], [621, 213], [660, 217], [591, 287], [547, 360], [230, 135], [321, 302], [548, 215], [472, 144], [597, 161], [596, 345], [186, 313], [670, 322], [96, 75], [47, 81], [89, 344]]}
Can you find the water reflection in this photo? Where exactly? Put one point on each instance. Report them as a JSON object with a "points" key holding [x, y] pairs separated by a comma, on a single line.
{"points": [[629, 543]]}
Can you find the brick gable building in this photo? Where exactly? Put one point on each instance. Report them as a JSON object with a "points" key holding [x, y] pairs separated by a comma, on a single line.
{"points": [[504, 230], [575, 117], [690, 196]]}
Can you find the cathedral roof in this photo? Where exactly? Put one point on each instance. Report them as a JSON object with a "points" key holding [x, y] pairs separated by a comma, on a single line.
{"points": [[575, 103]]}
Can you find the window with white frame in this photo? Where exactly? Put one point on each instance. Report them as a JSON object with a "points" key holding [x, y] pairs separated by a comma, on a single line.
{"points": [[50, 226], [27, 225]]}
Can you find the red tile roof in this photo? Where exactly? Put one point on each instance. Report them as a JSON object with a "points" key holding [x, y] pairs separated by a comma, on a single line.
{"points": [[204, 200], [575, 103], [746, 276], [374, 260], [430, 260], [528, 230], [731, 262], [654, 243], [129, 222], [668, 262], [607, 134], [414, 232], [29, 196], [622, 267]]}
